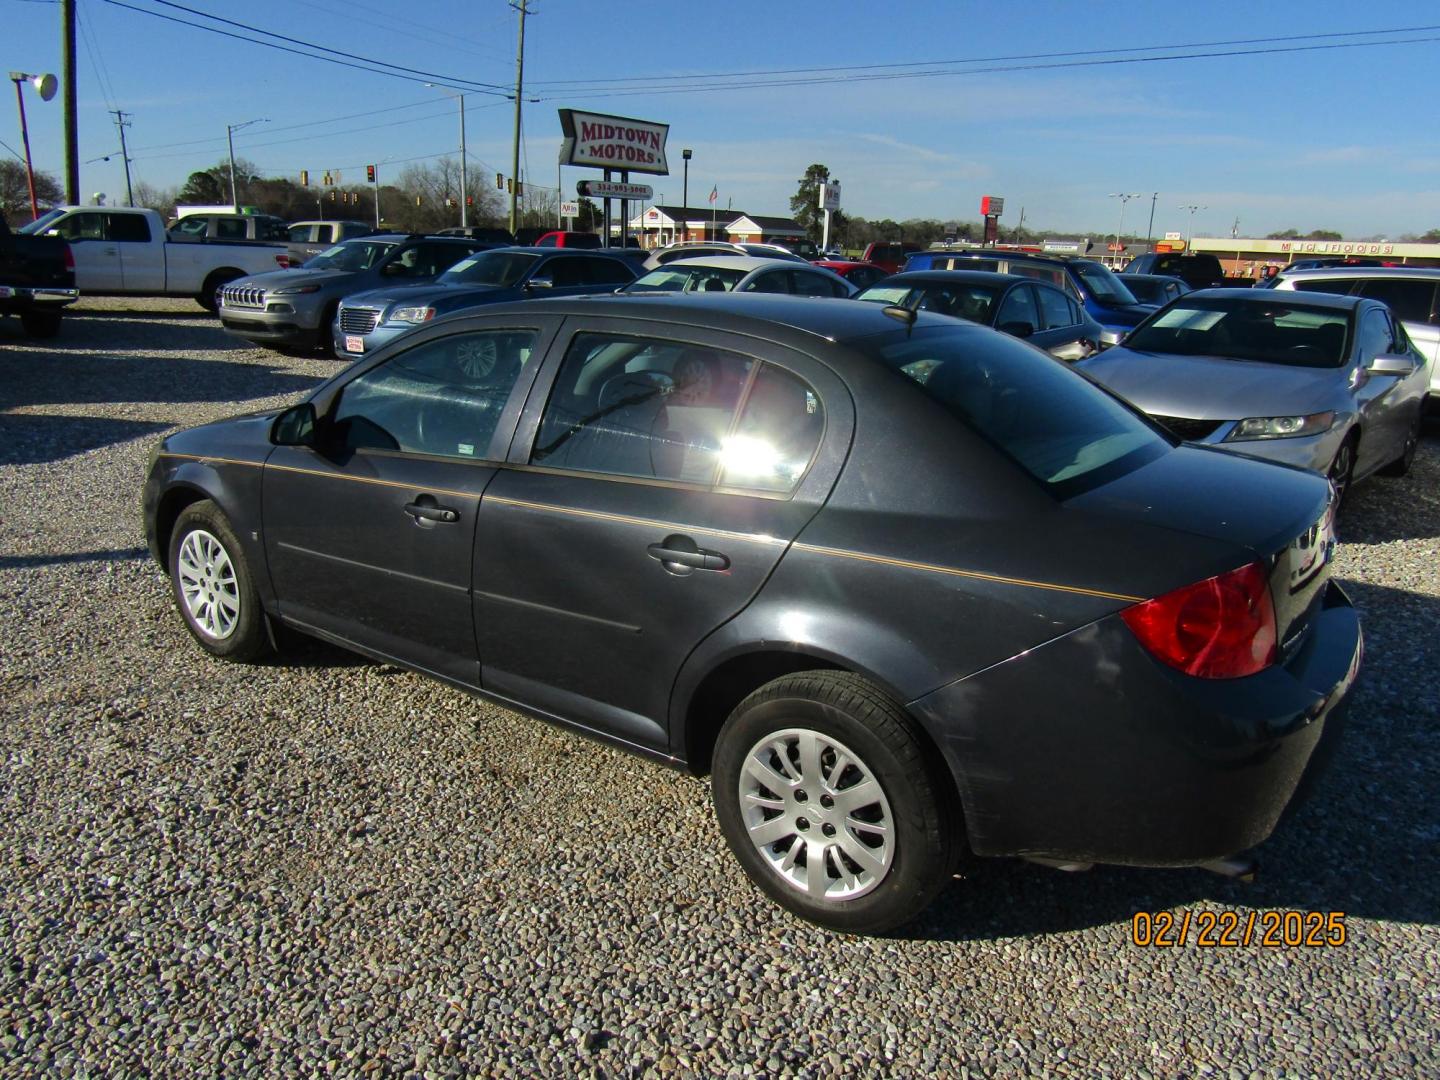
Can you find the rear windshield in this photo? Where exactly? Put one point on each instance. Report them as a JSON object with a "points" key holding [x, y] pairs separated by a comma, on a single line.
{"points": [[1269, 328], [687, 277], [352, 255], [1061, 428], [1104, 286], [503, 268]]}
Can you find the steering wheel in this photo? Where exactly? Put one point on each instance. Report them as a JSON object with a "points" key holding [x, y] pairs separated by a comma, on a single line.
{"points": [[475, 358]]}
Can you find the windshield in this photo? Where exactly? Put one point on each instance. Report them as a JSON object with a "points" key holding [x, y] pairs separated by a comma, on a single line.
{"points": [[503, 268], [40, 224], [1267, 328], [1103, 285], [352, 255], [687, 277], [1057, 425]]}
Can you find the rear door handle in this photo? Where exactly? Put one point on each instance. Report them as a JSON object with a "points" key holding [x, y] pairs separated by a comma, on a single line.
{"points": [[680, 555], [431, 511]]}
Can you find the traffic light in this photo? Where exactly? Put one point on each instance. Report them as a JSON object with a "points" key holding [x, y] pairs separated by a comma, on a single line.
{"points": [[304, 177], [417, 200], [369, 174], [519, 187], [469, 200], [332, 196]]}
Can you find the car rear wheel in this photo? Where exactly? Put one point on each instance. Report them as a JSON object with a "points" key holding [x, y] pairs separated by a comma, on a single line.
{"points": [[1401, 465], [213, 586], [831, 801]]}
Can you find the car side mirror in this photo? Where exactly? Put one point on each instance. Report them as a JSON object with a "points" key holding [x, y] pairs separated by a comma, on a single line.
{"points": [[296, 426], [52, 232], [1016, 328], [1397, 364], [540, 283]]}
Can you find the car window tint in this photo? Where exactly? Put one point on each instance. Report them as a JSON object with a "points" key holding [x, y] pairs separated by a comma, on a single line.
{"points": [[778, 433], [804, 283], [1410, 300], [641, 407], [606, 272], [565, 272], [1057, 425], [129, 228], [1338, 286], [775, 281], [301, 234], [1270, 328], [862, 277], [442, 397], [230, 229], [1018, 307], [1056, 307]]}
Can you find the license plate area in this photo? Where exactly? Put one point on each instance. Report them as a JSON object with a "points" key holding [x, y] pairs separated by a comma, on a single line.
{"points": [[354, 343]]}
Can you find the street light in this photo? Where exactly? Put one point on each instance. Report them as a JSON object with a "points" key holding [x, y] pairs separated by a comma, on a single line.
{"points": [[45, 86], [230, 130], [685, 195], [464, 187], [1124, 198], [1190, 230]]}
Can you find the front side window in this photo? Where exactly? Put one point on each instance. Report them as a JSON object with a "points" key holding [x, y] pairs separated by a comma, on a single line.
{"points": [[191, 226], [1057, 308], [1376, 336], [443, 397], [1058, 426], [83, 226], [803, 283], [605, 271], [1018, 309]]}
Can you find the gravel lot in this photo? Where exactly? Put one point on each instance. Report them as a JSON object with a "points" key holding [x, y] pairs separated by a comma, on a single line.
{"points": [[328, 866]]}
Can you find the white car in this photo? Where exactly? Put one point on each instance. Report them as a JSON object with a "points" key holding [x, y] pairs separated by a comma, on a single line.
{"points": [[689, 249], [741, 273]]}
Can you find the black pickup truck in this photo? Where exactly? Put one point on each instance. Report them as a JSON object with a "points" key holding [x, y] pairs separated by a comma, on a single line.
{"points": [[37, 279], [1199, 271]]}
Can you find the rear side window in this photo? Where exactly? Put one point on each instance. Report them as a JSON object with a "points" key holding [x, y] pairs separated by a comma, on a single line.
{"points": [[1410, 300], [1057, 308], [606, 272], [230, 229], [1018, 307], [1053, 422], [803, 283], [667, 410], [129, 228], [1337, 286]]}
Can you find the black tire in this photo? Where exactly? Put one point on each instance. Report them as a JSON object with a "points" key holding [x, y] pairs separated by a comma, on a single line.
{"points": [[1342, 468], [40, 324], [916, 802], [324, 340], [1401, 465], [208, 296], [234, 630]]}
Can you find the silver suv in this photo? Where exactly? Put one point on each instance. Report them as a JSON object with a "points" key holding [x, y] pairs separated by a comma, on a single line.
{"points": [[1412, 293]]}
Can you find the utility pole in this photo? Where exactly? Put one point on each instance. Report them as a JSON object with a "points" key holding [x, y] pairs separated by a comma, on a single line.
{"points": [[67, 82], [464, 176], [121, 124], [519, 89], [1150, 229], [230, 130]]}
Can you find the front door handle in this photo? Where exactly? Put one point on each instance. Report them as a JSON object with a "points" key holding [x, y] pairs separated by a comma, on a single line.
{"points": [[680, 555], [426, 507]]}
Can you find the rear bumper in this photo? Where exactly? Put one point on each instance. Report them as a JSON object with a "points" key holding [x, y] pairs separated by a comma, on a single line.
{"points": [[29, 298], [1089, 750]]}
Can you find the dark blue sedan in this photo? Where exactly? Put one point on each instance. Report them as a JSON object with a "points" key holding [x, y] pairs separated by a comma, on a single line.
{"points": [[369, 320]]}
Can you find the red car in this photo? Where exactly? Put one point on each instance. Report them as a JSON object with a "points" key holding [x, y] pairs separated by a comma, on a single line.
{"points": [[860, 274]]}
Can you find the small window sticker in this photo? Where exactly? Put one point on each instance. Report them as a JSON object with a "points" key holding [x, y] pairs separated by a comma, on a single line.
{"points": [[467, 449]]}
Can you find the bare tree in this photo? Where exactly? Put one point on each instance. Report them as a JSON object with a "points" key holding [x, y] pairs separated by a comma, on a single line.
{"points": [[15, 191]]}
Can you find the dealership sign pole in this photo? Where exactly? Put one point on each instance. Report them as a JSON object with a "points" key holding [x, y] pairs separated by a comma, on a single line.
{"points": [[614, 144], [829, 200]]}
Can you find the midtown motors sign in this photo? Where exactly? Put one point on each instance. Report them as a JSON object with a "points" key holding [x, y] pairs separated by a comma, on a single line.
{"points": [[613, 142]]}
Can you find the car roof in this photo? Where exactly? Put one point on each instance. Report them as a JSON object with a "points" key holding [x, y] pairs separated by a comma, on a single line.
{"points": [[1267, 296], [776, 316], [963, 277], [1006, 253], [1326, 273], [535, 249], [729, 262], [1166, 278]]}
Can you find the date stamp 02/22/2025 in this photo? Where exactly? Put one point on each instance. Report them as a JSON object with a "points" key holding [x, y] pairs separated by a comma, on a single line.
{"points": [[1279, 929]]}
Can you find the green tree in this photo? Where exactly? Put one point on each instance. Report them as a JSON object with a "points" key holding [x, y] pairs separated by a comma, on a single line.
{"points": [[1431, 237], [15, 191], [1323, 234], [805, 205]]}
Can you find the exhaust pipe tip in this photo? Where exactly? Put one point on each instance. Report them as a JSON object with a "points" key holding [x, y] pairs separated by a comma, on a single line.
{"points": [[1235, 867]]}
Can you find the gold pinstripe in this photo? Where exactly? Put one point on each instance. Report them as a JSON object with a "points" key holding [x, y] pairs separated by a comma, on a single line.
{"points": [[649, 523]]}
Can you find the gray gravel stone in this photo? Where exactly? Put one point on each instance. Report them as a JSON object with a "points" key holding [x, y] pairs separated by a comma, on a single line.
{"points": [[327, 867]]}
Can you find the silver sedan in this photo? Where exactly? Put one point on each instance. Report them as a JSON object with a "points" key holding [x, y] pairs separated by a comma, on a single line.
{"points": [[1329, 383]]}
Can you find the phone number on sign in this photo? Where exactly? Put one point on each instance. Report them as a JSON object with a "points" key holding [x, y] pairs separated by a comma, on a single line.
{"points": [[1233, 929]]}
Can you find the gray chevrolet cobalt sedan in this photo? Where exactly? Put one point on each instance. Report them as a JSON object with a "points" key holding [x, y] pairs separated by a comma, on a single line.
{"points": [[908, 589], [1330, 383]]}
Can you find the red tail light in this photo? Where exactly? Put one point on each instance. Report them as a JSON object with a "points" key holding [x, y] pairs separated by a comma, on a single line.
{"points": [[69, 258], [284, 261], [1219, 628]]}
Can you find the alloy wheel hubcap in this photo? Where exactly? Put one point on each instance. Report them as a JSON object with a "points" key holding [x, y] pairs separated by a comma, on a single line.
{"points": [[208, 586], [816, 814]]}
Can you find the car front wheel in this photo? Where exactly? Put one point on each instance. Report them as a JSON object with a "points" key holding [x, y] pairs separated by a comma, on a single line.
{"points": [[829, 797], [213, 587]]}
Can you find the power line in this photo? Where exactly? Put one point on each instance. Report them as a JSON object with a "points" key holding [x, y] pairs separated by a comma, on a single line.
{"points": [[307, 123], [477, 87], [492, 87]]}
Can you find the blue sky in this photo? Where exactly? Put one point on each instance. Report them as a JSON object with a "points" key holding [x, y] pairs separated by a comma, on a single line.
{"points": [[1337, 138]]}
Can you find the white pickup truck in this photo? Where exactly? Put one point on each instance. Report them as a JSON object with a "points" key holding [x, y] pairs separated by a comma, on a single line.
{"points": [[120, 251]]}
